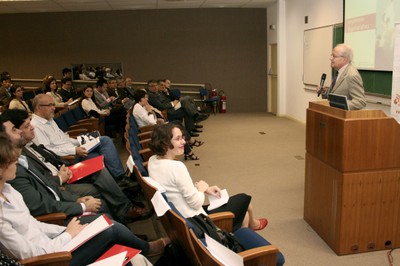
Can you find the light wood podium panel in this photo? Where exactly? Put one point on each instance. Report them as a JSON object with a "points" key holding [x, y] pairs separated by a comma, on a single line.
{"points": [[352, 179]]}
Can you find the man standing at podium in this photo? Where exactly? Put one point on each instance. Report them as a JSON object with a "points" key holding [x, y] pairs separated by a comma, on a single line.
{"points": [[346, 80]]}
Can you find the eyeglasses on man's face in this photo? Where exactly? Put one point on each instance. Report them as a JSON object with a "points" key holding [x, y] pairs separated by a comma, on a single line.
{"points": [[336, 56], [48, 105]]}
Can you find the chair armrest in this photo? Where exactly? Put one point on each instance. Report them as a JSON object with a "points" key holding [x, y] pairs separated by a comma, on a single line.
{"points": [[146, 128], [61, 108], [76, 132], [56, 259], [265, 255], [145, 135], [69, 158], [223, 220], [52, 218], [93, 121], [88, 126], [145, 164]]}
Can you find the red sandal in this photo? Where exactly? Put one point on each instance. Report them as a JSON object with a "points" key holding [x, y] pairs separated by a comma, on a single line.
{"points": [[263, 224]]}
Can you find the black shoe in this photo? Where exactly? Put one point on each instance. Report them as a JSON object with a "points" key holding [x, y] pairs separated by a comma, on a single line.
{"points": [[136, 213], [197, 130], [193, 134], [198, 126], [125, 183], [201, 117]]}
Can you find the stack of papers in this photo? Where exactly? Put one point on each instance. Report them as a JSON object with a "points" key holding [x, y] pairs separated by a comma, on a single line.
{"points": [[89, 140], [87, 233], [217, 202]]}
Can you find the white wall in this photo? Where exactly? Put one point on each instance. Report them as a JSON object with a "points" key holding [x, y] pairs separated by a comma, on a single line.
{"points": [[272, 13], [292, 97]]}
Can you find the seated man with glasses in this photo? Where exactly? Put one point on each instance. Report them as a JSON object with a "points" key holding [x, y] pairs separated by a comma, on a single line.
{"points": [[53, 138]]}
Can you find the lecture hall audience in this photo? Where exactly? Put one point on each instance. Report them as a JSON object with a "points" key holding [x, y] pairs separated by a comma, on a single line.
{"points": [[23, 236]]}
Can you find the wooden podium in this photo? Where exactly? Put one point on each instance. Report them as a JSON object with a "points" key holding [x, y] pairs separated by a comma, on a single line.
{"points": [[352, 178]]}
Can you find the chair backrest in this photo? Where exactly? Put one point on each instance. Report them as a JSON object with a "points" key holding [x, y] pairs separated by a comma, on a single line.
{"points": [[28, 94], [176, 93], [137, 158], [62, 124], [148, 189], [179, 233], [202, 252], [203, 93], [78, 113], [70, 118]]}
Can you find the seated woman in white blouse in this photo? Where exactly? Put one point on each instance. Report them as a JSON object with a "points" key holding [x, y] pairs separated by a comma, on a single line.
{"points": [[143, 111], [167, 142], [17, 100], [89, 104]]}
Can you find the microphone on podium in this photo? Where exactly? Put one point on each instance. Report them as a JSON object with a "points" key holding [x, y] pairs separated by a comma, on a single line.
{"points": [[321, 83]]}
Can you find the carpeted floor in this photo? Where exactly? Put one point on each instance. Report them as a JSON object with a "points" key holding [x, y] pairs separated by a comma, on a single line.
{"points": [[263, 156]]}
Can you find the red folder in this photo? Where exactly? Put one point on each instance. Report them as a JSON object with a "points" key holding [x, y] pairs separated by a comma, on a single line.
{"points": [[85, 168], [116, 249]]}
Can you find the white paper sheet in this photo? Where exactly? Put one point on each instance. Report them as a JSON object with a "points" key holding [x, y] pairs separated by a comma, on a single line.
{"points": [[130, 163], [217, 202], [91, 230], [222, 253], [159, 204]]}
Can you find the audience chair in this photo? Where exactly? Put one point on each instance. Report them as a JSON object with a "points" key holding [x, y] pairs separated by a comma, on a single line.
{"points": [[258, 251], [132, 135], [175, 225], [209, 101], [175, 230], [264, 255], [63, 125], [80, 115], [144, 133], [134, 152], [73, 123]]}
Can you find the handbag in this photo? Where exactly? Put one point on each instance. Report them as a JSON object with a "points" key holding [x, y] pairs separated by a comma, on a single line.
{"points": [[202, 224]]}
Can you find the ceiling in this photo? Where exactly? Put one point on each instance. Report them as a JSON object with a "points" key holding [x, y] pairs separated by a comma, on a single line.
{"points": [[38, 6]]}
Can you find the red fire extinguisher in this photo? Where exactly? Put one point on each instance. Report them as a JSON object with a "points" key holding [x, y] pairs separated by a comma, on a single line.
{"points": [[222, 102]]}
